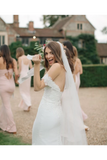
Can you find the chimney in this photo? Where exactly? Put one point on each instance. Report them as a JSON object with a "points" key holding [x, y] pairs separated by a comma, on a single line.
{"points": [[31, 27], [16, 20]]}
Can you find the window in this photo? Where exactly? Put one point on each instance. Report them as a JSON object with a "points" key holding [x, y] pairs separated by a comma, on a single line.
{"points": [[79, 26], [25, 41], [101, 60], [2, 40], [81, 43]]}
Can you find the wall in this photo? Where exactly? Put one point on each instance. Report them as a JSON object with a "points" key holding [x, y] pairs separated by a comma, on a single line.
{"points": [[71, 26]]}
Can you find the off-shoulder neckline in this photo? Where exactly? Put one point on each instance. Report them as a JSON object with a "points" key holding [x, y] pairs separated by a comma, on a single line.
{"points": [[53, 82]]}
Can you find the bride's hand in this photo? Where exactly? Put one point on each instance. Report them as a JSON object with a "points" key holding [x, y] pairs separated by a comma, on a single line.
{"points": [[37, 59]]}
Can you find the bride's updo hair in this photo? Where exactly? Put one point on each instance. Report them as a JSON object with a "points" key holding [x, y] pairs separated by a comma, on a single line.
{"points": [[56, 51]]}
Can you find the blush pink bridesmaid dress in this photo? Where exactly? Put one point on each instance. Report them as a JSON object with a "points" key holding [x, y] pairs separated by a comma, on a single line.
{"points": [[77, 83], [7, 87], [25, 88], [77, 78]]}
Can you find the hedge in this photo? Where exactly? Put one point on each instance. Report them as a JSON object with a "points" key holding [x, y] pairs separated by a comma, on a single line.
{"points": [[94, 76], [41, 75]]}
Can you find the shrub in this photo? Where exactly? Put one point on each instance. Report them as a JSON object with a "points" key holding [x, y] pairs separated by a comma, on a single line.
{"points": [[41, 75], [88, 54], [28, 49], [94, 76]]}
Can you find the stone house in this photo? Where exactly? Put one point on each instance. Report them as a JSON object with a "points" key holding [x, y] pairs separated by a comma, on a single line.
{"points": [[69, 26], [7, 33], [74, 25]]}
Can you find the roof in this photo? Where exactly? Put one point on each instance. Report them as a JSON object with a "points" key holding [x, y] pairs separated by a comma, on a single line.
{"points": [[3, 21], [61, 22], [102, 49], [48, 32], [38, 32]]}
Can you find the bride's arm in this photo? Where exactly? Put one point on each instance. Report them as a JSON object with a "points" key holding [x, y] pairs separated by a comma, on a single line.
{"points": [[53, 72]]}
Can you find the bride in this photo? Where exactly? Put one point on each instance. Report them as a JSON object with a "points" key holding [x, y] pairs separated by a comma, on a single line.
{"points": [[59, 120]]}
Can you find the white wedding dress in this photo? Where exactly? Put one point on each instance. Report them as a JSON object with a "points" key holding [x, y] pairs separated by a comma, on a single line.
{"points": [[59, 118], [47, 125]]}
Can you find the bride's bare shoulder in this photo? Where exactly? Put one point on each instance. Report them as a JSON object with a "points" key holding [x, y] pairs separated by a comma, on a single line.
{"points": [[57, 66]]}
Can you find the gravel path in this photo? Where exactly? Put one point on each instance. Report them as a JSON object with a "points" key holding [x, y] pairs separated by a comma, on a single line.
{"points": [[93, 102]]}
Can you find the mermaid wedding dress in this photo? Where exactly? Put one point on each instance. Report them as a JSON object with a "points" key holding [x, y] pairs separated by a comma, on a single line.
{"points": [[47, 125], [59, 117]]}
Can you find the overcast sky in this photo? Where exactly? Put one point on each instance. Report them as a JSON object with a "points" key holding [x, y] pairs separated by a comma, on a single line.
{"points": [[97, 19]]}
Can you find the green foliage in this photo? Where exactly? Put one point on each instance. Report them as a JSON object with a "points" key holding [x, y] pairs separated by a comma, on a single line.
{"points": [[13, 48], [104, 30], [94, 76], [42, 72], [49, 20], [38, 48], [28, 49], [88, 54], [8, 139], [34, 48]]}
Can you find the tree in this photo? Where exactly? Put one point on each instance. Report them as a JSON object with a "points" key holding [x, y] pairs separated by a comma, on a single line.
{"points": [[49, 20], [104, 30]]}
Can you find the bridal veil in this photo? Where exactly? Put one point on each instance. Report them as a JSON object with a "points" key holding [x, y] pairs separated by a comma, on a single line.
{"points": [[72, 130]]}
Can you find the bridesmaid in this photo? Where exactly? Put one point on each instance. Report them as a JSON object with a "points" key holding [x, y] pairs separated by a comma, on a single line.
{"points": [[24, 65], [78, 68], [8, 65], [77, 71]]}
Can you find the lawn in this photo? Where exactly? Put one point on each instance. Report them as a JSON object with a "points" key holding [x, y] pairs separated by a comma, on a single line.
{"points": [[9, 139]]}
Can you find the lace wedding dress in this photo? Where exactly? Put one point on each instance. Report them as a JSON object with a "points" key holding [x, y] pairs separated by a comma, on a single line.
{"points": [[59, 119], [47, 125]]}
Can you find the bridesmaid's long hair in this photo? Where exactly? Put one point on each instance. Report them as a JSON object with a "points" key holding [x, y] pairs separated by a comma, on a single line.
{"points": [[70, 60], [69, 45], [75, 51], [5, 53], [56, 51], [19, 52]]}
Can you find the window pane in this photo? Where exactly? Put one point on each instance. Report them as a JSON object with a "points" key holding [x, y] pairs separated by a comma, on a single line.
{"points": [[27, 41], [0, 40], [77, 26], [81, 26], [3, 39], [22, 40]]}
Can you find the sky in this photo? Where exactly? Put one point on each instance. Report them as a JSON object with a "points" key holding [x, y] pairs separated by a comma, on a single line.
{"points": [[98, 21]]}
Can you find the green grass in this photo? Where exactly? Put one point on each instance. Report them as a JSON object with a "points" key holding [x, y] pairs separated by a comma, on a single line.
{"points": [[9, 139]]}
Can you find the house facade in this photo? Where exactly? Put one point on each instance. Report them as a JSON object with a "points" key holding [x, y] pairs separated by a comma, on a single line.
{"points": [[7, 33], [73, 25], [68, 26], [102, 52]]}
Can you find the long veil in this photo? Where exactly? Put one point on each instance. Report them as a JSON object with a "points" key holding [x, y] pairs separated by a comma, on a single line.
{"points": [[72, 131]]}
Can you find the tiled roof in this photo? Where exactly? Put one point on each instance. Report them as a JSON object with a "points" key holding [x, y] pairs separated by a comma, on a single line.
{"points": [[60, 23], [38, 32], [102, 49], [44, 32], [2, 20]]}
